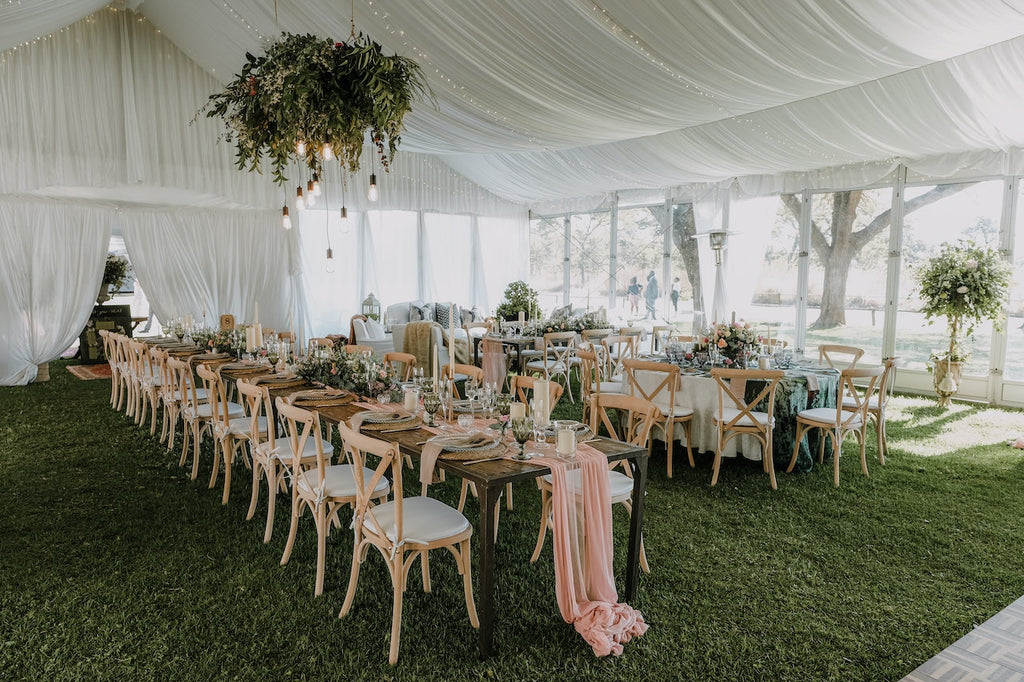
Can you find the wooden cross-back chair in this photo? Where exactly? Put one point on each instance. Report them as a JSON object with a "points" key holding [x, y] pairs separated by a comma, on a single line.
{"points": [[401, 529], [737, 416], [636, 419], [658, 382], [836, 422], [323, 488], [230, 425], [877, 404], [617, 348], [558, 359], [461, 372], [402, 364]]}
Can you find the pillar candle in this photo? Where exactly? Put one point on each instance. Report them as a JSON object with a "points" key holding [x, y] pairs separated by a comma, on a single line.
{"points": [[259, 335], [451, 335], [435, 368], [541, 396], [517, 411], [410, 400], [522, 317], [250, 339], [566, 441], [734, 317], [256, 314]]}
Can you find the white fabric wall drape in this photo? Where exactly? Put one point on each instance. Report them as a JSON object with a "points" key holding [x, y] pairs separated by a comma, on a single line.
{"points": [[193, 261], [51, 265]]}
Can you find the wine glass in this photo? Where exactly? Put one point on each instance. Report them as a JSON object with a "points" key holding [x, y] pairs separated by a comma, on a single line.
{"points": [[522, 431], [431, 404]]}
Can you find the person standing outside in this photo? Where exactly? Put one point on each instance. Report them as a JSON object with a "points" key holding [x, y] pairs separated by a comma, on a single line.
{"points": [[676, 286], [651, 294], [633, 290]]}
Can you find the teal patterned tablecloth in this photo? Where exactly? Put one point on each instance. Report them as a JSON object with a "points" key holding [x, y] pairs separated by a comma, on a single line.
{"points": [[790, 399]]}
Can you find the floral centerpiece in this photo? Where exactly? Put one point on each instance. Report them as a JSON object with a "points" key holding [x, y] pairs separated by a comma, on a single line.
{"points": [[966, 284], [351, 372], [734, 341], [570, 323], [310, 99]]}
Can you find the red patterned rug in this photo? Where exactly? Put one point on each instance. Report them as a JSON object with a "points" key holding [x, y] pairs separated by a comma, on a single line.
{"points": [[87, 372]]}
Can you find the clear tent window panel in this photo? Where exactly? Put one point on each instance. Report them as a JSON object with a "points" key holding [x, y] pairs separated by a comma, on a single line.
{"points": [[763, 256], [934, 215], [547, 251], [1014, 365], [848, 259], [640, 246]]}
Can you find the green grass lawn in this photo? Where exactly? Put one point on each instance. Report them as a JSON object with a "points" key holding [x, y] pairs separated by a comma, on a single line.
{"points": [[113, 565]]}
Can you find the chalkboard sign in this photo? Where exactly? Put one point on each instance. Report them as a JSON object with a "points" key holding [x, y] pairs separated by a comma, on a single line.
{"points": [[116, 318]]}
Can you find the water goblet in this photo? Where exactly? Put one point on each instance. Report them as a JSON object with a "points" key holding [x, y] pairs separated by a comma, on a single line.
{"points": [[431, 404], [522, 431]]}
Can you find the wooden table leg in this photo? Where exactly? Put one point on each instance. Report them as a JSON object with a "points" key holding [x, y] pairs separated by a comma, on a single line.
{"points": [[485, 603], [636, 524]]}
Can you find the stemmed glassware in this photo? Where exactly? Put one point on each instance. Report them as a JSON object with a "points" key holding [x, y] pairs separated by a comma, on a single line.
{"points": [[431, 404], [522, 431], [540, 423]]}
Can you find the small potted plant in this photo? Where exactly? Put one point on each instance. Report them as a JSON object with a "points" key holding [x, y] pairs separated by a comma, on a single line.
{"points": [[518, 297], [966, 284], [115, 272]]}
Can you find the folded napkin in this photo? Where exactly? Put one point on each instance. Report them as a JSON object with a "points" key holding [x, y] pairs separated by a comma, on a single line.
{"points": [[356, 421], [432, 450], [812, 382]]}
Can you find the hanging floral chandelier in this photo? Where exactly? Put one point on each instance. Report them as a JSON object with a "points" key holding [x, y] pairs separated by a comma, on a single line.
{"points": [[308, 100]]}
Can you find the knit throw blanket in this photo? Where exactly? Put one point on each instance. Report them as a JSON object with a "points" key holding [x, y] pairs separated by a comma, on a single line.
{"points": [[419, 341]]}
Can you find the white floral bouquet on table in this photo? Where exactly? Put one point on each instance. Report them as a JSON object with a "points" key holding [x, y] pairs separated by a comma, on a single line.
{"points": [[966, 284], [734, 341]]}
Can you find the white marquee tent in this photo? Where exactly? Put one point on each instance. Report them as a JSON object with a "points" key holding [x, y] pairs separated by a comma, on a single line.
{"points": [[541, 104]]}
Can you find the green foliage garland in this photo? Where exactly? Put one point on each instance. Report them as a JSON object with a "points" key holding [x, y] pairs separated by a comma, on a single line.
{"points": [[316, 91], [966, 284]]}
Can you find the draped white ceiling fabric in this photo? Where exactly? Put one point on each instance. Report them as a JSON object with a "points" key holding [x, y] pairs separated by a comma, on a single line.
{"points": [[539, 100], [51, 265]]}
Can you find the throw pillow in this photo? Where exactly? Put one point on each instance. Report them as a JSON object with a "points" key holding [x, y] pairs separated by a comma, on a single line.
{"points": [[441, 311], [418, 311], [374, 330]]}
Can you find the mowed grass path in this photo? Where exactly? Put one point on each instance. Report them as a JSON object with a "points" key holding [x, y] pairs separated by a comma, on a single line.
{"points": [[113, 565]]}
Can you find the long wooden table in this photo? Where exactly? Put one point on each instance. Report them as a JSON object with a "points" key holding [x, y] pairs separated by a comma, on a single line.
{"points": [[490, 479]]}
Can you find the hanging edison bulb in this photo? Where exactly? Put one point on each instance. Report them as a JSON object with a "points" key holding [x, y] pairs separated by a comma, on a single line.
{"points": [[373, 194], [316, 185], [300, 148], [286, 220], [344, 221], [310, 195], [330, 259], [328, 152], [300, 202]]}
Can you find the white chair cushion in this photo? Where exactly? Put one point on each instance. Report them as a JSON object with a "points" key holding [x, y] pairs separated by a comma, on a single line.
{"points": [[424, 520], [205, 410], [239, 426], [552, 366], [620, 485], [677, 411], [730, 413], [825, 415], [610, 386], [200, 394], [339, 481], [283, 448]]}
